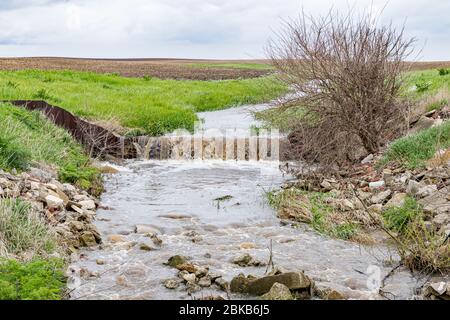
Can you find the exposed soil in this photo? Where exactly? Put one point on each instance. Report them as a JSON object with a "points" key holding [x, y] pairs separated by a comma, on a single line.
{"points": [[160, 68]]}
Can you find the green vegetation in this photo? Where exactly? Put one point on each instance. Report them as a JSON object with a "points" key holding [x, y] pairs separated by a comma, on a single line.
{"points": [[284, 120], [27, 138], [398, 218], [312, 207], [35, 280], [419, 84], [253, 66], [413, 151], [421, 248], [151, 105], [21, 231]]}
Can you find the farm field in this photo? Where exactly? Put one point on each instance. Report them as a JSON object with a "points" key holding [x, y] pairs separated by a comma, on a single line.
{"points": [[160, 68], [145, 105]]}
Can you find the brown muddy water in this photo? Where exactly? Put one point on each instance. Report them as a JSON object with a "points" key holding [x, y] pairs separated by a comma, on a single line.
{"points": [[177, 200]]}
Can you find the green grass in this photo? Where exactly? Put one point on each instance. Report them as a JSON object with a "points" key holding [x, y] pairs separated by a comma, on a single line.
{"points": [[321, 212], [419, 84], [413, 151], [22, 231], [252, 66], [149, 105], [284, 120], [398, 218], [35, 280], [27, 138]]}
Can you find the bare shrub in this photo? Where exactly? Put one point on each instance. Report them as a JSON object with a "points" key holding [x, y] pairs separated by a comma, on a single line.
{"points": [[349, 69]]}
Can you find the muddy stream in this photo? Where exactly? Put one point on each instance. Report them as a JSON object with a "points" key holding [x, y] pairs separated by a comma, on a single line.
{"points": [[175, 199]]}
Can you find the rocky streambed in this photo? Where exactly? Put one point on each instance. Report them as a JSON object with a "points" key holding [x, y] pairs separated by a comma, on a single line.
{"points": [[202, 229]]}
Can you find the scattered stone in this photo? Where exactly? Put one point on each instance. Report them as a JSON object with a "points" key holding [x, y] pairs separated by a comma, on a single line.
{"points": [[189, 278], [397, 200], [413, 187], [100, 262], [87, 204], [246, 260], [115, 238], [88, 239], [278, 292], [145, 247], [201, 272], [187, 267], [380, 197], [222, 283], [239, 284], [388, 177], [344, 204], [426, 191], [247, 245], [376, 184], [204, 282], [176, 260], [144, 229], [171, 283], [54, 202], [368, 159]]}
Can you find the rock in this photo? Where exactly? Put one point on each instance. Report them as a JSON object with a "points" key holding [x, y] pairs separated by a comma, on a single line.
{"points": [[326, 185], [441, 219], [189, 278], [437, 202], [397, 200], [76, 226], [87, 204], [201, 272], [222, 283], [278, 292], [413, 187], [171, 283], [115, 238], [186, 267], [247, 245], [437, 288], [174, 261], [388, 177], [88, 239], [239, 284], [144, 229], [426, 191], [376, 208], [344, 204], [204, 282], [100, 262], [380, 197], [376, 184], [292, 280], [77, 209], [368, 159], [246, 260], [54, 202], [145, 247], [421, 124]]}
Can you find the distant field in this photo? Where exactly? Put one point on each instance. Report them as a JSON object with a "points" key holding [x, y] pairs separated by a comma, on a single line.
{"points": [[159, 68], [147, 105]]}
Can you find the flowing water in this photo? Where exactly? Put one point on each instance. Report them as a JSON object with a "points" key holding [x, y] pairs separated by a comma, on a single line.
{"points": [[177, 199]]}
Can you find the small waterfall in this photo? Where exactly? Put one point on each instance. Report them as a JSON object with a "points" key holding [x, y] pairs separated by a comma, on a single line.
{"points": [[238, 145]]}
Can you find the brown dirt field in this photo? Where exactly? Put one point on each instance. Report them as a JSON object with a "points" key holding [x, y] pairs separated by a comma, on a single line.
{"points": [[428, 65], [160, 68]]}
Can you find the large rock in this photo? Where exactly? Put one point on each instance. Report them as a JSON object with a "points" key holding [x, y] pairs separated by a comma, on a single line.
{"points": [[278, 292], [292, 280], [53, 201], [87, 204]]}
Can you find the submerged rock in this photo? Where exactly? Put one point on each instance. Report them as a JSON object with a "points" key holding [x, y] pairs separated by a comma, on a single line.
{"points": [[171, 283], [246, 260], [292, 280], [176, 260]]}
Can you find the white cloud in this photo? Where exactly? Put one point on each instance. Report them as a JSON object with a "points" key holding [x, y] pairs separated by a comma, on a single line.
{"points": [[194, 28]]}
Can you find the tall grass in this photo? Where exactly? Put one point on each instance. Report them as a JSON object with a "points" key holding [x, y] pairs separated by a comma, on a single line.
{"points": [[153, 106], [413, 151], [27, 138], [23, 231]]}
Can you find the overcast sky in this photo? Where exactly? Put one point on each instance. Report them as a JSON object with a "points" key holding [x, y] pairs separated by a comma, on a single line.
{"points": [[188, 28]]}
